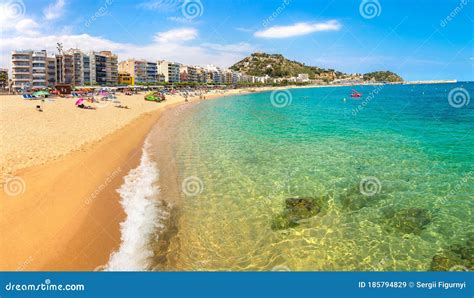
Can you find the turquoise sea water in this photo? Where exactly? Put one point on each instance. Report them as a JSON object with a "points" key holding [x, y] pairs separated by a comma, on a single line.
{"points": [[392, 173]]}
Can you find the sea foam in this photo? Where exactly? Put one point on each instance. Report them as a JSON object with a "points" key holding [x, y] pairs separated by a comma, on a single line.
{"points": [[145, 217]]}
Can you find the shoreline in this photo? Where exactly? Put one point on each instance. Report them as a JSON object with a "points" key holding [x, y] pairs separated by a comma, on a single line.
{"points": [[69, 213], [69, 216]]}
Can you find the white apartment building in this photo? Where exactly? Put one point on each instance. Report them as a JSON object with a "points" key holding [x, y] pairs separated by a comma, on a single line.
{"points": [[29, 70], [169, 70], [22, 72], [81, 74], [188, 74], [103, 68]]}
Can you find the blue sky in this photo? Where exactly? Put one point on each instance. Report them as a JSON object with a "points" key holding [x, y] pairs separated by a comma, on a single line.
{"points": [[419, 39]]}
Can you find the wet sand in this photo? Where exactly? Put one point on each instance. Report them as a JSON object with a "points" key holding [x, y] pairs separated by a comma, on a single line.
{"points": [[63, 213]]}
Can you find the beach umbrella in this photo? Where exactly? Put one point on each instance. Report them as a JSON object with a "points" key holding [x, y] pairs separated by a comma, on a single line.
{"points": [[41, 93], [79, 101]]}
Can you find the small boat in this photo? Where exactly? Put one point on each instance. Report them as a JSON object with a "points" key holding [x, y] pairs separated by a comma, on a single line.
{"points": [[356, 94], [154, 96]]}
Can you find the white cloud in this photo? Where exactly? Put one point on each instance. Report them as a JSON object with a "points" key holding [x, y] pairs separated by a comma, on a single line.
{"points": [[21, 32], [298, 29], [177, 35], [54, 10], [27, 26], [222, 55]]}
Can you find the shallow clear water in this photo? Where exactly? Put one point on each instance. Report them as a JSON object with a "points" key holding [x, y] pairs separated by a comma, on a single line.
{"points": [[240, 158]]}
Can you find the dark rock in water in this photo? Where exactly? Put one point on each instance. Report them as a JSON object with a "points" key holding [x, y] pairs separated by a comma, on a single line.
{"points": [[458, 257], [296, 209], [410, 220], [445, 261]]}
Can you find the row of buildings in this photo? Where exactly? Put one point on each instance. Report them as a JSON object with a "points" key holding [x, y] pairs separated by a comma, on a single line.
{"points": [[141, 71], [38, 70]]}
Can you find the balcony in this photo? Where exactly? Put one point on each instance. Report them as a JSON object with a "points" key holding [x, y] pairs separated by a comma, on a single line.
{"points": [[21, 63], [20, 58], [21, 79]]}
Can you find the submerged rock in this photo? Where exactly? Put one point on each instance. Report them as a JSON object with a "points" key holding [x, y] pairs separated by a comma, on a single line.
{"points": [[296, 209], [410, 220], [457, 257]]}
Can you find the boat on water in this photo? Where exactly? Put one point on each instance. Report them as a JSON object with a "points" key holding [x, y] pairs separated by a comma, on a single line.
{"points": [[356, 94]]}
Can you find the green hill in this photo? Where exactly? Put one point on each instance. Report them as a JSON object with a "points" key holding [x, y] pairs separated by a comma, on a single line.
{"points": [[382, 76], [277, 66]]}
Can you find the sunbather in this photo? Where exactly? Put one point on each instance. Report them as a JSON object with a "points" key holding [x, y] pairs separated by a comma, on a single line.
{"points": [[82, 106]]}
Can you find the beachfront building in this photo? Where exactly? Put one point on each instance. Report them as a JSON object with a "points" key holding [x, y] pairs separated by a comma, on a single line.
{"points": [[213, 74], [64, 68], [303, 78], [81, 73], [169, 70], [151, 72], [51, 71], [201, 75], [231, 77], [103, 68], [21, 70], [35, 70], [124, 78], [136, 68], [188, 74], [39, 80]]}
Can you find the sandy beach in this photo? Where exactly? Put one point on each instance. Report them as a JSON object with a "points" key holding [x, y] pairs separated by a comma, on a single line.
{"points": [[60, 171]]}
